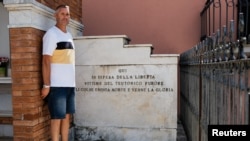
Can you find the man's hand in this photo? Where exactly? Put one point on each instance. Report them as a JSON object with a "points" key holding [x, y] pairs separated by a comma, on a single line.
{"points": [[44, 92]]}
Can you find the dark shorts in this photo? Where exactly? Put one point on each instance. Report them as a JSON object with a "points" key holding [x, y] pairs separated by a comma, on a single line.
{"points": [[61, 101]]}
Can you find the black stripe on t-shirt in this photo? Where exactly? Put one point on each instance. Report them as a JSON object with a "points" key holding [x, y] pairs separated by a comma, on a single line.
{"points": [[64, 45]]}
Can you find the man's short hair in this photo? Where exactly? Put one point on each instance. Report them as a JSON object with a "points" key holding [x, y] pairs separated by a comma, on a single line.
{"points": [[62, 6]]}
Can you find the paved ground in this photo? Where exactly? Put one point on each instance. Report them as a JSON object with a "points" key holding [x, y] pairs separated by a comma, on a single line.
{"points": [[181, 136]]}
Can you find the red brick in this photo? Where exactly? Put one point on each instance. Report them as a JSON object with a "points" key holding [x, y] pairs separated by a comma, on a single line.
{"points": [[25, 49], [23, 55], [26, 99], [24, 87], [26, 74], [25, 123], [22, 43], [23, 37], [32, 93], [16, 93], [17, 116]]}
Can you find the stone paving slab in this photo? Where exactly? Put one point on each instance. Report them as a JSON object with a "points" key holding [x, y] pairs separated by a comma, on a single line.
{"points": [[181, 135]]}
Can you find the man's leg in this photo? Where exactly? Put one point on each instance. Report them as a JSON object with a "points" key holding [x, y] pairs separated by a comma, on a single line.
{"points": [[65, 128], [55, 129]]}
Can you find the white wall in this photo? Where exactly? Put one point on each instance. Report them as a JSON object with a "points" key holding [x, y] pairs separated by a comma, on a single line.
{"points": [[4, 32]]}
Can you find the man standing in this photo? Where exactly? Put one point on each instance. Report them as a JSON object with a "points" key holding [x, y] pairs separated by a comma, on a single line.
{"points": [[58, 70]]}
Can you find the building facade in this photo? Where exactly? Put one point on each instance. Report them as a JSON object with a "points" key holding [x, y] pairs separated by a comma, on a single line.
{"points": [[170, 26]]}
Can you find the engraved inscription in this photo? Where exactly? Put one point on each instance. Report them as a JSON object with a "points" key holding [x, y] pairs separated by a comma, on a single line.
{"points": [[123, 81]]}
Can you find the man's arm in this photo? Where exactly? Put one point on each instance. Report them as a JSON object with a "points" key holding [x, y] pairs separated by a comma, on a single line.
{"points": [[46, 62]]}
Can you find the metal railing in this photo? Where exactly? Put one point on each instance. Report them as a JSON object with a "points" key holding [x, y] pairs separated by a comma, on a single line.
{"points": [[215, 73]]}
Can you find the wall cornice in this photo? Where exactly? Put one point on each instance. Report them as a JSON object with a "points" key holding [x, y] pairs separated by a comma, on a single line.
{"points": [[30, 13]]}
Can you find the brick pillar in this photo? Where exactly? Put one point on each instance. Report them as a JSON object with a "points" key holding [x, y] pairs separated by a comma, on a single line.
{"points": [[30, 116]]}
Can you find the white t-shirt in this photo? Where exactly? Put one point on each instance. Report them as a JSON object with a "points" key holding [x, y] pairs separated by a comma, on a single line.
{"points": [[60, 46]]}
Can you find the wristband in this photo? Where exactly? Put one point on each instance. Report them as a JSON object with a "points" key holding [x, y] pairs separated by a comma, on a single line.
{"points": [[46, 86]]}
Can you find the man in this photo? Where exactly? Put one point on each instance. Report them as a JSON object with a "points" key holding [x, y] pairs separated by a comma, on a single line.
{"points": [[58, 70]]}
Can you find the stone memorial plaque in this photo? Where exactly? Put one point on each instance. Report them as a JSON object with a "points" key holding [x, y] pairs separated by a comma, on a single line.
{"points": [[124, 99], [128, 96]]}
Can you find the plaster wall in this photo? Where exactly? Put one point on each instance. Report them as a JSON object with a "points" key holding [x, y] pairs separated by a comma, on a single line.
{"points": [[170, 26]]}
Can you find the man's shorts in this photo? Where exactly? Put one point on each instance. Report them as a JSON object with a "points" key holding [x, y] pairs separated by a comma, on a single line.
{"points": [[61, 101]]}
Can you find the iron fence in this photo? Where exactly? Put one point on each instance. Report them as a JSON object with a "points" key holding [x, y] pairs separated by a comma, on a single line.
{"points": [[215, 73]]}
